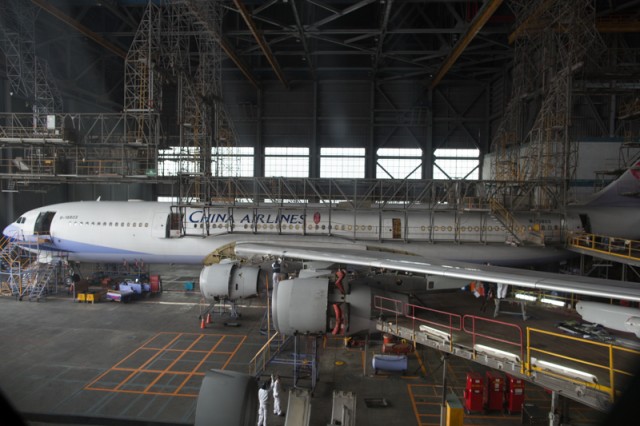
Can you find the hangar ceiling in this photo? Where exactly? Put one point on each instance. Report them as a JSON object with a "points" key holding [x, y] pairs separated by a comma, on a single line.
{"points": [[85, 41], [84, 49]]}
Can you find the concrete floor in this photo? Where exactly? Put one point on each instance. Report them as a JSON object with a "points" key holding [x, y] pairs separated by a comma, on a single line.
{"points": [[142, 362]]}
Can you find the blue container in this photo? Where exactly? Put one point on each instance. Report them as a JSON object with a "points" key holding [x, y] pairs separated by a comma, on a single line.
{"points": [[188, 286], [389, 363]]}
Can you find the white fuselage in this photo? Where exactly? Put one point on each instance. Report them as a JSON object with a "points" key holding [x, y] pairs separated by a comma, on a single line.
{"points": [[153, 232]]}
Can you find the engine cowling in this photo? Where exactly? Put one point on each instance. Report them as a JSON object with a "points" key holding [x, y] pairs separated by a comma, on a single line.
{"points": [[230, 281], [312, 306], [227, 398]]}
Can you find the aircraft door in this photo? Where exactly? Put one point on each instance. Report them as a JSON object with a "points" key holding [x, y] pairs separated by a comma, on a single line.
{"points": [[396, 228], [586, 223], [175, 224], [43, 223]]}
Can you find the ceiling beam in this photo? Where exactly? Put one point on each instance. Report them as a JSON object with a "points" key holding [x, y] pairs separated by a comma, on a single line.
{"points": [[266, 50], [483, 15], [303, 39], [57, 13]]}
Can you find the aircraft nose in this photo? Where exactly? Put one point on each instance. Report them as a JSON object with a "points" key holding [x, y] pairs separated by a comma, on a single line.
{"points": [[10, 232]]}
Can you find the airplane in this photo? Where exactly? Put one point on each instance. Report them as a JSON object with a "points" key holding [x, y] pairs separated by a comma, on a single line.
{"points": [[445, 247]]}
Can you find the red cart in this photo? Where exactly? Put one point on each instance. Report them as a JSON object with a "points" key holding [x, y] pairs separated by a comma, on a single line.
{"points": [[494, 396], [514, 394], [473, 393]]}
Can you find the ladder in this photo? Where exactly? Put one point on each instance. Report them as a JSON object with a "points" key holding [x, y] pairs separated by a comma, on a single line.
{"points": [[42, 284]]}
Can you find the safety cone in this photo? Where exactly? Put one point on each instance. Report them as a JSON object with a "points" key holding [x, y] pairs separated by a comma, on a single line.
{"points": [[209, 318], [202, 323]]}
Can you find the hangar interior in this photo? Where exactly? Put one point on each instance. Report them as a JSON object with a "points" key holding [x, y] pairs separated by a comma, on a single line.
{"points": [[503, 106], [138, 101]]}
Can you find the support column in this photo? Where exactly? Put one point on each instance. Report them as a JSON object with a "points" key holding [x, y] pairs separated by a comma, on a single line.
{"points": [[9, 207], [554, 411], [443, 406], [427, 150], [258, 164]]}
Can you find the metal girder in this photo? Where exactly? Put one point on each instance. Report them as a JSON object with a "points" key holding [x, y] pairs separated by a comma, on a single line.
{"points": [[618, 24], [303, 38], [476, 25], [261, 41], [532, 22], [80, 28]]}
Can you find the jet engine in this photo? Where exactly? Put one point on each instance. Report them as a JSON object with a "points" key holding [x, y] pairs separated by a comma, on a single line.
{"points": [[227, 398], [314, 306], [230, 281]]}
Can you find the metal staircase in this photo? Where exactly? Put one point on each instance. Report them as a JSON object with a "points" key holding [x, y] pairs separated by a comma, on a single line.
{"points": [[23, 277], [521, 234], [39, 280], [11, 262]]}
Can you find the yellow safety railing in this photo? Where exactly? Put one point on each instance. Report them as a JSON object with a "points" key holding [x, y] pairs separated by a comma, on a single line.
{"points": [[263, 356], [620, 247], [568, 372]]}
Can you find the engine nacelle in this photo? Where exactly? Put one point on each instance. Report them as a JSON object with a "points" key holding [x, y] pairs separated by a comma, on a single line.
{"points": [[230, 281], [309, 306], [227, 398]]}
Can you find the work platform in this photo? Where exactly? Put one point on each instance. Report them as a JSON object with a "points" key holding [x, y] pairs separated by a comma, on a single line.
{"points": [[144, 362], [529, 346]]}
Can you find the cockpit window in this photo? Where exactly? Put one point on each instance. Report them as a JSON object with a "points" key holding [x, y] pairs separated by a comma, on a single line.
{"points": [[21, 219]]}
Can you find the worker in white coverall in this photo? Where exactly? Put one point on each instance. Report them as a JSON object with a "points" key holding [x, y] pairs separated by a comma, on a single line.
{"points": [[277, 390], [275, 267], [263, 399]]}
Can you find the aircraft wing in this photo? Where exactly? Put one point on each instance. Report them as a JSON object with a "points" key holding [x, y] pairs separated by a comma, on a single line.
{"points": [[533, 280]]}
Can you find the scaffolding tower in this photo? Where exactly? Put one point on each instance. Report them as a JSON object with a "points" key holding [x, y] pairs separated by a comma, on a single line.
{"points": [[551, 44], [178, 43], [29, 76]]}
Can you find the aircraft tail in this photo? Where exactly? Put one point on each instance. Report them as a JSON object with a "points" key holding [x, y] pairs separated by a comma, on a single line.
{"points": [[623, 192]]}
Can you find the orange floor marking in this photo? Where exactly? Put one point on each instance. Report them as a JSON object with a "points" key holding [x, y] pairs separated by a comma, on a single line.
{"points": [[125, 377]]}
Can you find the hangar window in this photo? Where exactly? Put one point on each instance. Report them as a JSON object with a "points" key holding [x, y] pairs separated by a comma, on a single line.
{"points": [[286, 162], [342, 162], [178, 160], [233, 161], [399, 163], [456, 163]]}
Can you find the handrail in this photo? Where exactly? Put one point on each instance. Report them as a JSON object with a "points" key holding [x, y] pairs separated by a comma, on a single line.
{"points": [[474, 334], [397, 306], [619, 247], [527, 369], [265, 349], [610, 368], [412, 314], [513, 226]]}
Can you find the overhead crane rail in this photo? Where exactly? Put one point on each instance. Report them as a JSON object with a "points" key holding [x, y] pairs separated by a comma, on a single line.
{"points": [[592, 373]]}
